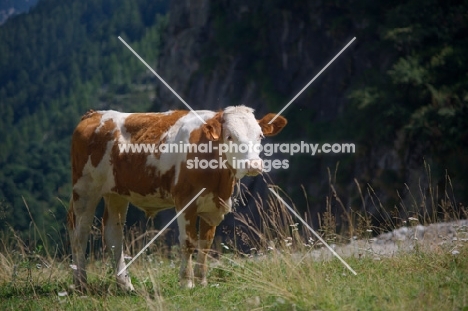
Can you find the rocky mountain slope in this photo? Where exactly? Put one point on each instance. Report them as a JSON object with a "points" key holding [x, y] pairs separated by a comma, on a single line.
{"points": [[389, 93]]}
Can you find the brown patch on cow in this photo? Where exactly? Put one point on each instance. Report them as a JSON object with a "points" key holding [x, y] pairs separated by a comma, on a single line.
{"points": [[213, 127], [131, 172], [207, 232], [191, 230], [275, 127], [98, 144], [218, 181], [148, 127], [80, 144]]}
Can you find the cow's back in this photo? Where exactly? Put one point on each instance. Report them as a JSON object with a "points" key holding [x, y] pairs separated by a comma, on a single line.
{"points": [[146, 128]]}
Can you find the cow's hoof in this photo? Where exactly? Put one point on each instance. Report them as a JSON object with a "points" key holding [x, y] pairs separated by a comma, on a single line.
{"points": [[187, 284]]}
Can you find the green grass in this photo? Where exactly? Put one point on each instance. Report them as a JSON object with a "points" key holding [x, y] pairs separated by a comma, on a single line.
{"points": [[421, 280], [281, 275]]}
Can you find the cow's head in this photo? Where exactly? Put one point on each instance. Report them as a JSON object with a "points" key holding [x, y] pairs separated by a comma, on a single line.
{"points": [[238, 130]]}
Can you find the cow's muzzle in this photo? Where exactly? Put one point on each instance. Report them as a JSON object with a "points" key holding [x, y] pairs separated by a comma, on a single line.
{"points": [[254, 167]]}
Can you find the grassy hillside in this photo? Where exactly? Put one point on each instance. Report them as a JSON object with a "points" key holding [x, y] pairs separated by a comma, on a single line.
{"points": [[419, 281]]}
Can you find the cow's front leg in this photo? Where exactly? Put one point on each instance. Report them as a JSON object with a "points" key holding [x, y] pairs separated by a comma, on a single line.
{"points": [[187, 238], [207, 233]]}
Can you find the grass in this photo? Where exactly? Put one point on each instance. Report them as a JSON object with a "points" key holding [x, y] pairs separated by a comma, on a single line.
{"points": [[421, 280], [279, 273]]}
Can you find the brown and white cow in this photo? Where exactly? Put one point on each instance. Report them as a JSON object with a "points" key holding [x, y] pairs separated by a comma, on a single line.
{"points": [[157, 181]]}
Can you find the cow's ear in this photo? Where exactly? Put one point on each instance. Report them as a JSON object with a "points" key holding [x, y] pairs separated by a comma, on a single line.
{"points": [[275, 127], [212, 129]]}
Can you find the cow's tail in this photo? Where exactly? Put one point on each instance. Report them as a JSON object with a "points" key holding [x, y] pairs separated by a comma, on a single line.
{"points": [[88, 114]]}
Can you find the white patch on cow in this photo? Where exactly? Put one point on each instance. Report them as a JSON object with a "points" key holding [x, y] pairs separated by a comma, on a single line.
{"points": [[180, 132], [105, 170], [205, 204], [211, 212], [241, 127], [151, 160], [117, 117], [166, 113], [182, 224], [239, 109], [226, 206], [164, 162], [100, 179]]}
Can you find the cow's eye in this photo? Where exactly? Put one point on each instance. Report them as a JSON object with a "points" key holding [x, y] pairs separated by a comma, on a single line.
{"points": [[229, 138]]}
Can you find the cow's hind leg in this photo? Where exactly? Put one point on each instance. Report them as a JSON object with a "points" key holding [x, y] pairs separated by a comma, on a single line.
{"points": [[114, 217], [205, 240], [80, 219]]}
